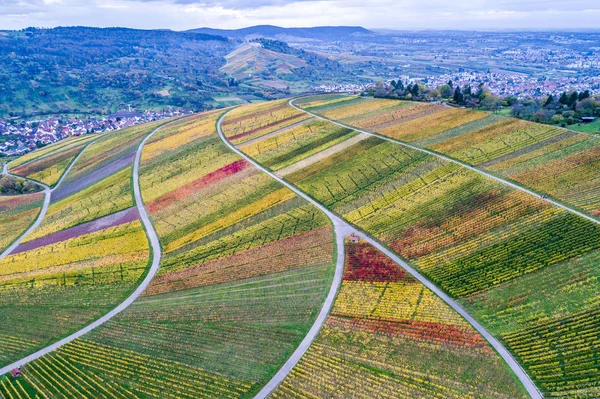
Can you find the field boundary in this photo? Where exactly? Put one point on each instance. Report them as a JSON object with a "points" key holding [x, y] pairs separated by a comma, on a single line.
{"points": [[284, 371], [455, 161], [155, 253]]}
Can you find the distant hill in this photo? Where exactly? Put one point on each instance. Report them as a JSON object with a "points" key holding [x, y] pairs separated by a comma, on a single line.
{"points": [[276, 60], [276, 32], [252, 58], [82, 70]]}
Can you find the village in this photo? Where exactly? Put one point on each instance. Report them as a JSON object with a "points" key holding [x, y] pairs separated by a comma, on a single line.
{"points": [[18, 137]]}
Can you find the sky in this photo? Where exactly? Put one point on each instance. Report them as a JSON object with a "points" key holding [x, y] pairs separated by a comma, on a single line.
{"points": [[373, 14]]}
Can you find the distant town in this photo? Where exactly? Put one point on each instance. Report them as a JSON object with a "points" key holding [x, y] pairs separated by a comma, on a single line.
{"points": [[499, 84], [518, 85], [18, 137]]}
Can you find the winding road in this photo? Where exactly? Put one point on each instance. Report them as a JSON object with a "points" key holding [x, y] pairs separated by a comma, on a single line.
{"points": [[47, 199], [455, 161], [343, 228], [156, 257], [38, 221]]}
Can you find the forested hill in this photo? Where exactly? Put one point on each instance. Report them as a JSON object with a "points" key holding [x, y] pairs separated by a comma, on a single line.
{"points": [[269, 31], [81, 69]]}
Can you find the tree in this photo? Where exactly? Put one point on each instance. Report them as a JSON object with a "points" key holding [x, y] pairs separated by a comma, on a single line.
{"points": [[380, 90], [415, 90], [549, 100], [587, 107], [572, 99], [584, 95], [564, 99], [450, 84], [458, 96], [489, 102], [446, 90]]}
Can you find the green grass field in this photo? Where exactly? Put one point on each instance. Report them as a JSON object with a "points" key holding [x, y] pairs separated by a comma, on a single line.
{"points": [[593, 127]]}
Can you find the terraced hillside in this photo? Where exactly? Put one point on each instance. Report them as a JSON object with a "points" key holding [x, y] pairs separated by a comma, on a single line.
{"points": [[551, 160], [252, 58], [244, 257], [522, 266], [245, 267], [88, 250]]}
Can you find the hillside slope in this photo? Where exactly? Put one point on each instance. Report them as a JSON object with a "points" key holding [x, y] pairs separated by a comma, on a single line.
{"points": [[252, 58]]}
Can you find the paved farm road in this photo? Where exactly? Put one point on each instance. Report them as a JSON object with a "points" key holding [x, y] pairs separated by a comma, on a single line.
{"points": [[343, 228], [156, 256]]}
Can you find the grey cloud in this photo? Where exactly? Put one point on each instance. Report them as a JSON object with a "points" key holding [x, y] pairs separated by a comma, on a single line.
{"points": [[404, 14]]}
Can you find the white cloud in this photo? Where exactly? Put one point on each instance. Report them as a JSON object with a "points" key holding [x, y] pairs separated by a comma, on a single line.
{"points": [[410, 14]]}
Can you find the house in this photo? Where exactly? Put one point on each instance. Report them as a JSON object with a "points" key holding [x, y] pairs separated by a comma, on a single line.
{"points": [[16, 373], [587, 119], [354, 238]]}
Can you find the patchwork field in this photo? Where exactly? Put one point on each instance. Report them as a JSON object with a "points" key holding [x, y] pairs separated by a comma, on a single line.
{"points": [[256, 120], [389, 336], [48, 164], [493, 248], [17, 213], [246, 263], [550, 160], [246, 266], [87, 255]]}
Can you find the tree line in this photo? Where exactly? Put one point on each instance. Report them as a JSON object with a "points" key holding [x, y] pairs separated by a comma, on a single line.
{"points": [[567, 109]]}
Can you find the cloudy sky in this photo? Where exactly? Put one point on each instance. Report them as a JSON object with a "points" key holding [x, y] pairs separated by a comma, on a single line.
{"points": [[390, 14]]}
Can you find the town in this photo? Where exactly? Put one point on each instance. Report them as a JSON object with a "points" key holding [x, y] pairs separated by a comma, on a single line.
{"points": [[18, 137]]}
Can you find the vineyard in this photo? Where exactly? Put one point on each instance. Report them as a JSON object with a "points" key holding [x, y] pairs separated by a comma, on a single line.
{"points": [[65, 285], [389, 336], [246, 265], [88, 253], [16, 214], [549, 159], [492, 247], [110, 195], [108, 151], [293, 145], [256, 120], [49, 164]]}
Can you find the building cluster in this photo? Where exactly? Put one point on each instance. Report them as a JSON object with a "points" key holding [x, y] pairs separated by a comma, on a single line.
{"points": [[518, 85], [342, 88], [18, 137]]}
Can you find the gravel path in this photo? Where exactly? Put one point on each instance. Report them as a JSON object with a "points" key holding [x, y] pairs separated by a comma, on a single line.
{"points": [[156, 257], [342, 229], [326, 153]]}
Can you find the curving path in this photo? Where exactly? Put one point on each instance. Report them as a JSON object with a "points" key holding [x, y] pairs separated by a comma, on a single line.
{"points": [[156, 257], [47, 199], [38, 221], [446, 158], [343, 228]]}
